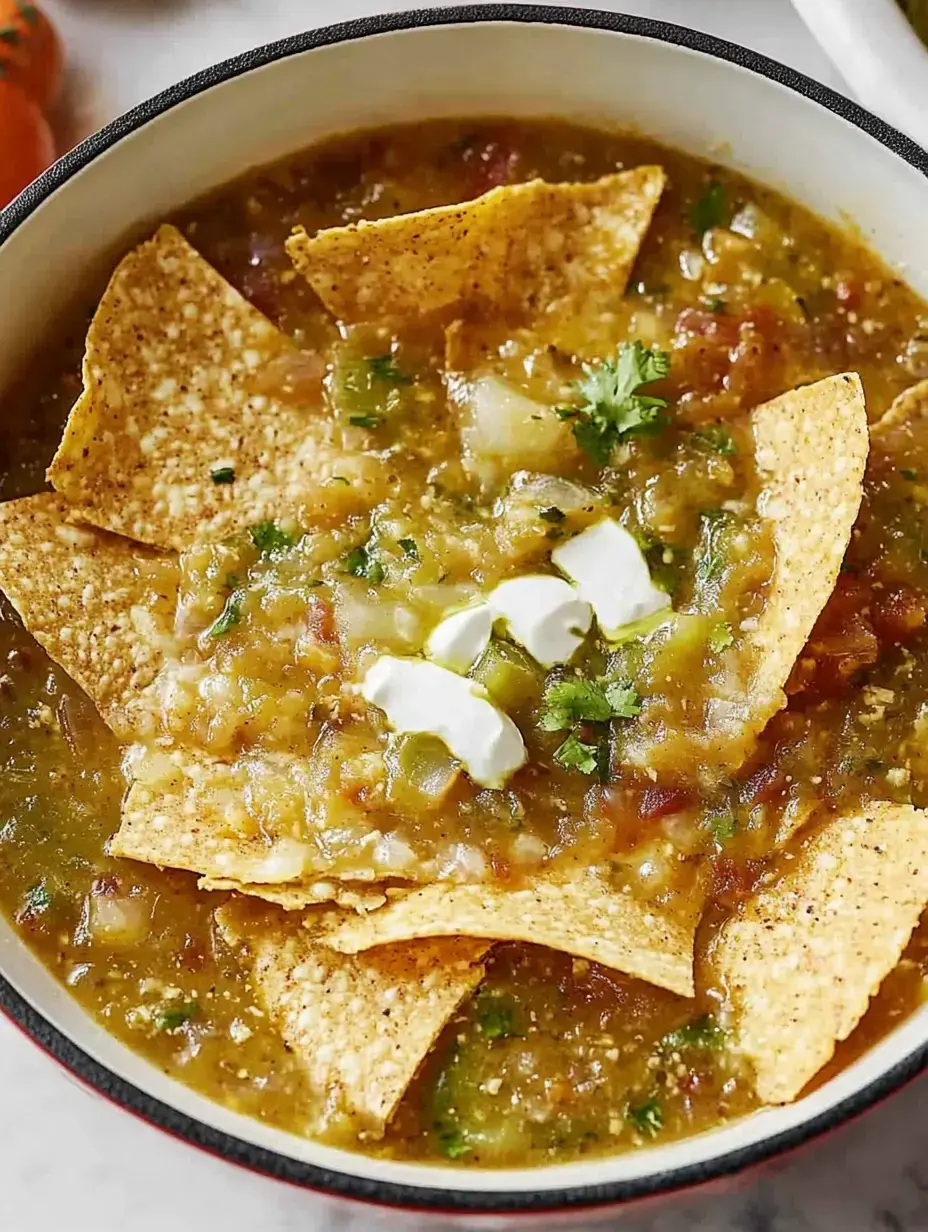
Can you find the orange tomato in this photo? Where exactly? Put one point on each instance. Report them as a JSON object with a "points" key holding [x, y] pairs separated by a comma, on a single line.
{"points": [[30, 51], [26, 143]]}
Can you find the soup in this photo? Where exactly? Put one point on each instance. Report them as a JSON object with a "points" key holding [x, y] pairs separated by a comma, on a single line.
{"points": [[463, 696]]}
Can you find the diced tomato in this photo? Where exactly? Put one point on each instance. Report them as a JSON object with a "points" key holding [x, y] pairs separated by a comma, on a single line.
{"points": [[738, 355], [763, 785], [656, 802], [841, 643], [897, 614], [733, 882], [321, 620], [719, 326]]}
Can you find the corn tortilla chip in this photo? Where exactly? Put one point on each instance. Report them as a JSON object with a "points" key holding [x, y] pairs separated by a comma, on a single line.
{"points": [[176, 374], [353, 896], [811, 450], [100, 605], [802, 959], [909, 407], [522, 247], [252, 822], [360, 1025], [584, 916]]}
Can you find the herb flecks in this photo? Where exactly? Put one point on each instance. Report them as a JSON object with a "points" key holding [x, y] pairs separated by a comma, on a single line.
{"points": [[174, 1017], [495, 1016], [36, 901], [270, 538], [383, 368], [229, 617], [647, 1117], [710, 210], [715, 438], [612, 410], [223, 474], [365, 421], [701, 1034], [363, 562], [410, 548], [553, 515]]}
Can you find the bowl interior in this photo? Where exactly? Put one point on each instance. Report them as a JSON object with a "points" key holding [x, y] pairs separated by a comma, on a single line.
{"points": [[677, 94]]}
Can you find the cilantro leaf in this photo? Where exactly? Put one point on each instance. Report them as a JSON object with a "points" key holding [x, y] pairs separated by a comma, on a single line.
{"points": [[612, 409], [574, 754], [715, 438], [710, 565], [383, 368], [362, 562], [36, 901], [223, 474], [229, 617], [907, 473], [365, 421], [720, 638], [410, 548], [269, 538], [587, 701], [174, 1017], [574, 701], [623, 698], [710, 210], [702, 1033], [647, 1118]]}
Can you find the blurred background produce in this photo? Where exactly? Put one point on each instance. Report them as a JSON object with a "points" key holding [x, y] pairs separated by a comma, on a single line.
{"points": [[31, 63]]}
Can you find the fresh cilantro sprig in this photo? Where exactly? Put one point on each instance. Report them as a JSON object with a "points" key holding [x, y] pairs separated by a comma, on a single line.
{"points": [[587, 701], [229, 617], [569, 703], [612, 409]]}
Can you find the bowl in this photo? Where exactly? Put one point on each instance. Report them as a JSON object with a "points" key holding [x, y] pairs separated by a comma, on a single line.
{"points": [[686, 89], [876, 50]]}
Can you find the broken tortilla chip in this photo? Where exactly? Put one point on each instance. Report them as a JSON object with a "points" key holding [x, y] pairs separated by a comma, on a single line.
{"points": [[352, 896], [521, 246], [803, 957], [179, 380], [98, 604], [910, 406], [584, 916], [360, 1026], [253, 822]]}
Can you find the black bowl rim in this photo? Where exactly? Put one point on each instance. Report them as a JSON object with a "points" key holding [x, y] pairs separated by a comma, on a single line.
{"points": [[271, 1163]]}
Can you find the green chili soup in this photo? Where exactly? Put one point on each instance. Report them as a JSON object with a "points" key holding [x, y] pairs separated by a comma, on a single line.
{"points": [[372, 726]]}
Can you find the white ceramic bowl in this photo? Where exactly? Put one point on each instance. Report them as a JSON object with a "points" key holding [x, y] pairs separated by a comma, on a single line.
{"points": [[683, 88], [879, 54]]}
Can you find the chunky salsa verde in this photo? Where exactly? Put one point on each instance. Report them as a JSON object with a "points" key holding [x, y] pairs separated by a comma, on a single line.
{"points": [[435, 670]]}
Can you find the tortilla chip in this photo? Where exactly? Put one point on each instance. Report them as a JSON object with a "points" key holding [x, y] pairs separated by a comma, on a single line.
{"points": [[803, 957], [584, 916], [98, 604], [910, 406], [251, 822], [175, 386], [811, 451], [522, 247], [352, 896], [360, 1026]]}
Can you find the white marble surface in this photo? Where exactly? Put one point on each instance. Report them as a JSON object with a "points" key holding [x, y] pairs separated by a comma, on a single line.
{"points": [[69, 1161]]}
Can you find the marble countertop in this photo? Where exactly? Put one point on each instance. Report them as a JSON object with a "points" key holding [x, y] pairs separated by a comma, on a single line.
{"points": [[69, 1160]]}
